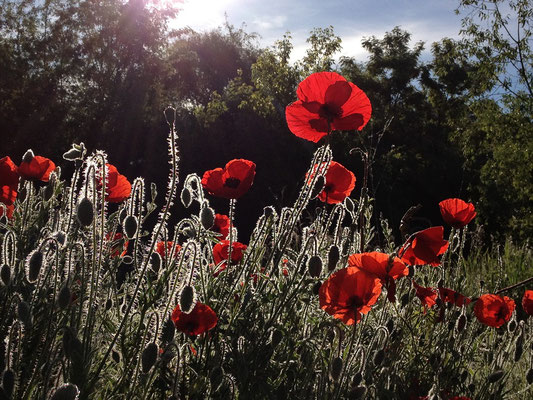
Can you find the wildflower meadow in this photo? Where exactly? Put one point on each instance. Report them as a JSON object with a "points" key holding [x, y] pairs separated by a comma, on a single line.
{"points": [[104, 296]]}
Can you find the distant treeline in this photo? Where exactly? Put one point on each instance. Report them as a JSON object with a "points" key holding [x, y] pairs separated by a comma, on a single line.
{"points": [[102, 72]]}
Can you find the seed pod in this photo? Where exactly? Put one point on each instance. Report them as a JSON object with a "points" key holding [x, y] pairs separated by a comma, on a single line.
{"points": [[155, 262], [130, 226], [529, 376], [207, 217], [495, 376], [149, 356], [319, 186], [268, 211], [24, 313], [8, 382], [68, 391], [379, 356], [48, 191], [34, 263], [85, 212], [167, 332], [357, 392], [216, 377], [187, 299], [314, 266], [335, 369], [186, 198], [63, 297], [5, 274], [333, 257]]}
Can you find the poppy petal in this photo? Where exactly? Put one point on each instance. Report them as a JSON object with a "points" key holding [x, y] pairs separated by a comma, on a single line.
{"points": [[305, 124], [315, 86]]}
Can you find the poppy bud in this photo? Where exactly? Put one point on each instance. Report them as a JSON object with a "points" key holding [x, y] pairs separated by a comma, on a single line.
{"points": [[411, 271], [167, 332], [34, 264], [464, 376], [216, 377], [28, 156], [333, 257], [23, 192], [8, 381], [495, 376], [189, 232], [149, 356], [511, 326], [24, 313], [368, 378], [130, 226], [461, 323], [61, 238], [268, 211], [336, 369], [187, 299], [5, 274], [170, 115], [108, 304], [186, 198], [68, 391], [349, 204], [379, 356], [276, 337], [72, 346], [314, 266], [357, 392], [529, 376], [472, 388], [115, 356], [357, 379], [123, 214], [319, 186], [207, 217], [72, 155], [155, 261], [63, 297], [85, 212]]}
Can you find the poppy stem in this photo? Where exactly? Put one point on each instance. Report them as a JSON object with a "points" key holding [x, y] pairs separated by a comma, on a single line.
{"points": [[506, 289]]}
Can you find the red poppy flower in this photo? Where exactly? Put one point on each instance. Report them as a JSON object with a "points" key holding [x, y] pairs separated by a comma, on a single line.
{"points": [[9, 211], [221, 225], [118, 246], [493, 310], [231, 182], [456, 212], [339, 184], [8, 173], [386, 268], [327, 102], [8, 194], [453, 297], [424, 247], [221, 253], [118, 186], [348, 293], [201, 319], [164, 248], [38, 168], [427, 295], [527, 302]]}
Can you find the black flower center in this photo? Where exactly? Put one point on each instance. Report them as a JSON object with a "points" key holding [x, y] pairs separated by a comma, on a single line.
{"points": [[355, 302], [232, 183], [330, 111]]}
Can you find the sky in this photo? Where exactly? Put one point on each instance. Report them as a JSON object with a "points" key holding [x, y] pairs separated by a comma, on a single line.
{"points": [[426, 20]]}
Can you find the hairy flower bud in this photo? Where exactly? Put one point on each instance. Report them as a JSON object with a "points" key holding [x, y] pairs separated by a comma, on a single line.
{"points": [[319, 186], [314, 266], [167, 332], [529, 376], [5, 274], [85, 212], [28, 156], [149, 356], [379, 356], [68, 391], [155, 262], [335, 369], [63, 297], [34, 263], [8, 382], [333, 257], [216, 377], [186, 198], [187, 299], [495, 376], [24, 313], [207, 217], [130, 226], [357, 392]]}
